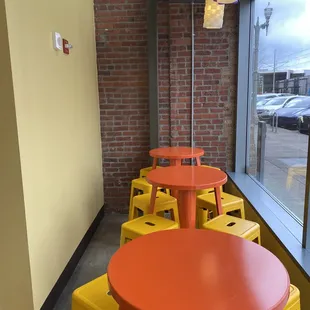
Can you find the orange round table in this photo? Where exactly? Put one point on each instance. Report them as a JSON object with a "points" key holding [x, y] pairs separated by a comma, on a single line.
{"points": [[176, 154], [186, 180], [190, 269]]}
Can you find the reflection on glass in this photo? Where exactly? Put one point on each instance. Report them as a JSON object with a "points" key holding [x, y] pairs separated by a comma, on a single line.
{"points": [[276, 101], [299, 103], [281, 90]]}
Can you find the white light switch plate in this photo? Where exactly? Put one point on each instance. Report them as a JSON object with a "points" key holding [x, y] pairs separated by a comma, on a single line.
{"points": [[57, 41]]}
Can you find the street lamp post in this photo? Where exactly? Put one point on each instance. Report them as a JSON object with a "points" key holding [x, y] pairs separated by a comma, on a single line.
{"points": [[254, 119], [267, 12]]}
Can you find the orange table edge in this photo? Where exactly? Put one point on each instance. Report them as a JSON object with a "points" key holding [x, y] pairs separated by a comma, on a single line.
{"points": [[193, 269], [176, 154]]}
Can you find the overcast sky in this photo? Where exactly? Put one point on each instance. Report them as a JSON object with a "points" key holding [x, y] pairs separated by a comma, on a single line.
{"points": [[289, 34]]}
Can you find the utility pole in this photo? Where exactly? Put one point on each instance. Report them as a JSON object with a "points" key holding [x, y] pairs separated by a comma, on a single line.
{"points": [[274, 71], [255, 79]]}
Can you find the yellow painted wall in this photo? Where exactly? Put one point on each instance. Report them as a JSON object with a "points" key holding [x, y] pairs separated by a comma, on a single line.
{"points": [[270, 242], [14, 258], [56, 100]]}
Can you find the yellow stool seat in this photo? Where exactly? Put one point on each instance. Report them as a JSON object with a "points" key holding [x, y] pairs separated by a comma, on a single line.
{"points": [[94, 295], [145, 171], [145, 225], [210, 190], [235, 226], [230, 203], [294, 299], [163, 202]]}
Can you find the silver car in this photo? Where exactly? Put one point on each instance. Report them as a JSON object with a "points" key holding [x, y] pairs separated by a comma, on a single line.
{"points": [[265, 113]]}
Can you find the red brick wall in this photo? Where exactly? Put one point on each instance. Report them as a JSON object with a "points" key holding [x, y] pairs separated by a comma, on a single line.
{"points": [[123, 76], [215, 74], [123, 90]]}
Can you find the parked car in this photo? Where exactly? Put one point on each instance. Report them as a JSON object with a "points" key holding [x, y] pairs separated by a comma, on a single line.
{"points": [[272, 95], [266, 111], [264, 98], [303, 123], [288, 115], [262, 102]]}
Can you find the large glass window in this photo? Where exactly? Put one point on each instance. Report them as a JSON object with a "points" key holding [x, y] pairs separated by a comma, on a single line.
{"points": [[280, 102]]}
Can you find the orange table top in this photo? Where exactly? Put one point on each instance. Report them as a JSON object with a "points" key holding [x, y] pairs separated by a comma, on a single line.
{"points": [[179, 152], [187, 177], [196, 269]]}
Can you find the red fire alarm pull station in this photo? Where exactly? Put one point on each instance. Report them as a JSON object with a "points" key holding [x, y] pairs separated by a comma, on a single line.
{"points": [[65, 45]]}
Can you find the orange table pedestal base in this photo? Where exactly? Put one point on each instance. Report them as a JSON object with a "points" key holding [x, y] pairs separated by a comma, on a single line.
{"points": [[174, 163], [175, 155], [186, 180], [187, 209], [187, 205]]}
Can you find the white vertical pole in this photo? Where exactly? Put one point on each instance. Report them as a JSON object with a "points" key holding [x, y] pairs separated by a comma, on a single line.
{"points": [[274, 71]]}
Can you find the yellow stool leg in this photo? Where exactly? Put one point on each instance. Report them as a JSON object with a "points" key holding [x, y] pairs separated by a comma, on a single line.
{"points": [[123, 240], [203, 216], [133, 213], [259, 239], [242, 213], [131, 200]]}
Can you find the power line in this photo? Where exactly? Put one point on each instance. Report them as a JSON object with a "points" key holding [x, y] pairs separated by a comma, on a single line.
{"points": [[295, 61], [292, 62], [295, 53], [284, 62]]}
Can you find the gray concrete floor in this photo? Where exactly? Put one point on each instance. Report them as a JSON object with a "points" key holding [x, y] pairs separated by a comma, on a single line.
{"points": [[285, 150], [95, 260]]}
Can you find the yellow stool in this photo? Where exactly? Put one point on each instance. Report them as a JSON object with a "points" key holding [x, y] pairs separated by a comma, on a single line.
{"points": [[94, 295], [145, 225], [145, 171], [294, 299], [163, 202], [210, 190], [137, 186], [235, 226], [231, 204]]}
